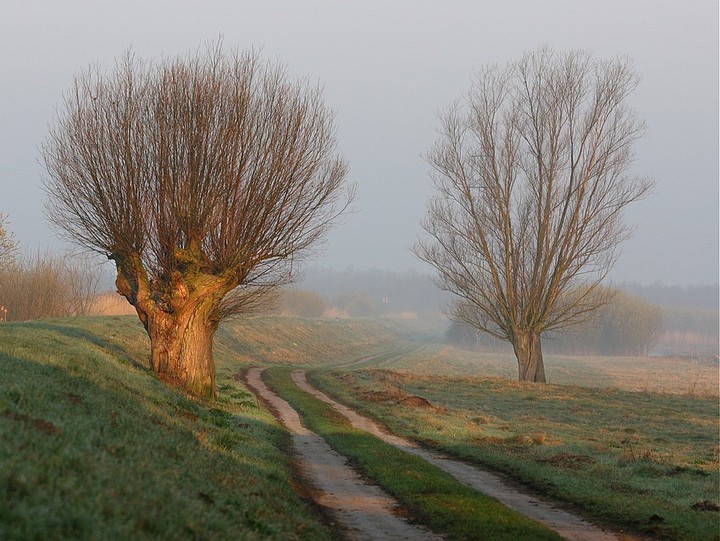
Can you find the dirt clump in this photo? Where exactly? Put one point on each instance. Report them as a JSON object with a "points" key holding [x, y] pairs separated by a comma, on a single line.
{"points": [[397, 396], [382, 396], [416, 402], [568, 460], [705, 505], [40, 424]]}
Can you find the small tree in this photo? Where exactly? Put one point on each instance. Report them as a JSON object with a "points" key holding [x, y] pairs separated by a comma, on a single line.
{"points": [[532, 179], [8, 245], [628, 326], [204, 179], [301, 303]]}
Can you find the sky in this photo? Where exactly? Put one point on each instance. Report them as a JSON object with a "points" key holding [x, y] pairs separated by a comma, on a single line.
{"points": [[388, 68]]}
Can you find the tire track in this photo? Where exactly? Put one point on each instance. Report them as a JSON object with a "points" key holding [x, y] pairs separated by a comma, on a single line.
{"points": [[566, 524], [363, 511]]}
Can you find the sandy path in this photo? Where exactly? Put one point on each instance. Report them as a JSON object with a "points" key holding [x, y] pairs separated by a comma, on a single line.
{"points": [[567, 525], [363, 511]]}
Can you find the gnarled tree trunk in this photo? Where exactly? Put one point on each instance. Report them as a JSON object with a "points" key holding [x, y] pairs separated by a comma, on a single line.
{"points": [[181, 323], [528, 351], [181, 349]]}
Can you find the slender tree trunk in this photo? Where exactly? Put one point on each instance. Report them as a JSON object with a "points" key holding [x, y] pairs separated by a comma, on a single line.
{"points": [[528, 351], [181, 349]]}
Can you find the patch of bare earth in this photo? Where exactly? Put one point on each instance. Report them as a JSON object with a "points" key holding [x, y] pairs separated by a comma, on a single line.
{"points": [[361, 510], [566, 524]]}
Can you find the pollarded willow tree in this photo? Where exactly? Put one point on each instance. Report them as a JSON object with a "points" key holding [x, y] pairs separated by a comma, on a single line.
{"points": [[204, 179], [533, 175]]}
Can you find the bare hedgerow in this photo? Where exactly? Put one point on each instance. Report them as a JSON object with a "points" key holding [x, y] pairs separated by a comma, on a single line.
{"points": [[43, 285], [8, 245]]}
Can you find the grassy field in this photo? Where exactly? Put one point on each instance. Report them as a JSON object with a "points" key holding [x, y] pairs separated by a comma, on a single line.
{"points": [[92, 446], [641, 461], [433, 497], [641, 374]]}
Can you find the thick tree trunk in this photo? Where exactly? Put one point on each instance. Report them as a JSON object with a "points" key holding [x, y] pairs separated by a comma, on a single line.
{"points": [[528, 351], [181, 318], [181, 350]]}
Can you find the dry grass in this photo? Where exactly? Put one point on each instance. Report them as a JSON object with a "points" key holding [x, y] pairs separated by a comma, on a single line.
{"points": [[111, 304], [638, 374]]}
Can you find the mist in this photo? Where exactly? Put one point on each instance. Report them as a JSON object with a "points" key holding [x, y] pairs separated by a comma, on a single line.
{"points": [[388, 70]]}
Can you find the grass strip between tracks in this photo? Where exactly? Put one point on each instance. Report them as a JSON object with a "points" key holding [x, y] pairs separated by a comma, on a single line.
{"points": [[433, 497]]}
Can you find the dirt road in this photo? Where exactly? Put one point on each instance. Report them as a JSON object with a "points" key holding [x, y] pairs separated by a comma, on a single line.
{"points": [[569, 526], [363, 511]]}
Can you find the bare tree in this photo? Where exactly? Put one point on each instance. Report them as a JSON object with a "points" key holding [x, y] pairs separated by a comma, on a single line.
{"points": [[532, 173], [8, 245], [205, 179]]}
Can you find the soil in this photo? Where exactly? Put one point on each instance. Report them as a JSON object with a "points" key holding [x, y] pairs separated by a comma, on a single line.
{"points": [[416, 402], [569, 461], [705, 505]]}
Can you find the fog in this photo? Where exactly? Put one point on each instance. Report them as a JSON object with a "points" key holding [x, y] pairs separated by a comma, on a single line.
{"points": [[388, 69]]}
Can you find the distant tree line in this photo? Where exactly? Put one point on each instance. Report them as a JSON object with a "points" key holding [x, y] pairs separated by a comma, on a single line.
{"points": [[375, 292], [629, 325], [310, 304], [691, 316], [625, 326], [690, 332], [688, 296]]}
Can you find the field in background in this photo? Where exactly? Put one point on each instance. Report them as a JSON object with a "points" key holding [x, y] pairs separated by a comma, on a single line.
{"points": [[640, 374]]}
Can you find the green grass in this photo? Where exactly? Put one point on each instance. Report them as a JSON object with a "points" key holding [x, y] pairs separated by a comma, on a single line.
{"points": [[433, 496], [633, 460], [93, 446]]}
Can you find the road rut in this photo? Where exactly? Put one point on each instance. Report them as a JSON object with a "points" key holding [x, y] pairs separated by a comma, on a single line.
{"points": [[363, 511], [566, 524]]}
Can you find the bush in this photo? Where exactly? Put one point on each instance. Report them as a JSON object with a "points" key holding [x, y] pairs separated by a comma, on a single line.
{"points": [[43, 285], [300, 303]]}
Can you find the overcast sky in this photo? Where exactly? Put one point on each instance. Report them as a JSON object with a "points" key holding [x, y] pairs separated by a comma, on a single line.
{"points": [[387, 68]]}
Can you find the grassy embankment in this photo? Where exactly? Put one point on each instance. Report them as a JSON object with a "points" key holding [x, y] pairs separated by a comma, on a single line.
{"points": [[273, 340], [92, 445], [643, 461], [434, 497]]}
